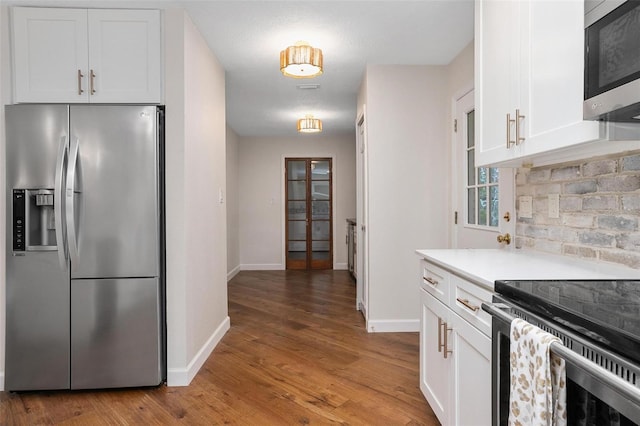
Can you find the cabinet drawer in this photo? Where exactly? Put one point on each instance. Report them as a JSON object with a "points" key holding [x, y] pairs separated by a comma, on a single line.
{"points": [[435, 281], [466, 302]]}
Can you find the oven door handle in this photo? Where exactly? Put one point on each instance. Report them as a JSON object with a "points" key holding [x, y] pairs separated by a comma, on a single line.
{"points": [[628, 391]]}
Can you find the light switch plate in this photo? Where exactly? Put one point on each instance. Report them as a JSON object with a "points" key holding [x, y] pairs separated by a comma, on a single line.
{"points": [[525, 206], [554, 206]]}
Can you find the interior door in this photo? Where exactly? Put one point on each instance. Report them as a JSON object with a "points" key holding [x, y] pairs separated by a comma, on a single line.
{"points": [[309, 214], [483, 196], [362, 218]]}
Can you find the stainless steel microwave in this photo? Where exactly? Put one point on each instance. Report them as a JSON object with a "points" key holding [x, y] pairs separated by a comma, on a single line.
{"points": [[612, 60]]}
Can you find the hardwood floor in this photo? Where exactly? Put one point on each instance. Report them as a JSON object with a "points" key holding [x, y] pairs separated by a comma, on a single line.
{"points": [[297, 353]]}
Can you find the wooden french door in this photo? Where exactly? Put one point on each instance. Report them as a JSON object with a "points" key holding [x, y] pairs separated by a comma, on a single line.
{"points": [[309, 216]]}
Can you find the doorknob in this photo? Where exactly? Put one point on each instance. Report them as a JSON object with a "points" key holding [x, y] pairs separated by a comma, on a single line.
{"points": [[506, 238]]}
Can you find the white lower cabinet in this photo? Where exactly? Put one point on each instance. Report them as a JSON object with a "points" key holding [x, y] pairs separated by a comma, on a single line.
{"points": [[434, 367], [455, 360], [471, 374]]}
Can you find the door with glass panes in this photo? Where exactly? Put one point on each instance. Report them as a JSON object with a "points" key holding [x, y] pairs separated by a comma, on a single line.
{"points": [[483, 196], [308, 213]]}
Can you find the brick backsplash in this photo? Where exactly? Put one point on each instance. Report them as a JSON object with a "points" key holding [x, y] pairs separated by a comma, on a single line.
{"points": [[599, 209]]}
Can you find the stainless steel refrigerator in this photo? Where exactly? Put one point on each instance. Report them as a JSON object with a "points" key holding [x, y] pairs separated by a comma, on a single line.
{"points": [[84, 284]]}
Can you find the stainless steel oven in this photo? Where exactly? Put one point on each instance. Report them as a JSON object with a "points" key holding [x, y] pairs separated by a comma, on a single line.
{"points": [[598, 323]]}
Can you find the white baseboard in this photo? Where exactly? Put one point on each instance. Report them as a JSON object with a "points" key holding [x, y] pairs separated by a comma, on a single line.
{"points": [[184, 376], [233, 273], [263, 267], [393, 326], [274, 267]]}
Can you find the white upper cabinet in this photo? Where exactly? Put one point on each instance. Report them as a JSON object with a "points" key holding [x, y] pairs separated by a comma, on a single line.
{"points": [[124, 53], [496, 90], [79, 55], [50, 49], [529, 79]]}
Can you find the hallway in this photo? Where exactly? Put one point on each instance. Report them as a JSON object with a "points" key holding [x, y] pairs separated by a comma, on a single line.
{"points": [[297, 353]]}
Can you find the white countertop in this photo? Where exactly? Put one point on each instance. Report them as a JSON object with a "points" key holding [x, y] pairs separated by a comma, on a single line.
{"points": [[484, 266]]}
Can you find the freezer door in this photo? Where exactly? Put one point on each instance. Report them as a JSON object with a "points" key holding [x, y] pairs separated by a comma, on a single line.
{"points": [[116, 192], [37, 338], [115, 333], [33, 135], [37, 279]]}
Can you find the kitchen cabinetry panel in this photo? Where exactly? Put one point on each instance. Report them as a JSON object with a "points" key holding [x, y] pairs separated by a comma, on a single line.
{"points": [[472, 369], [455, 349], [531, 91], [551, 76], [435, 281], [467, 301], [86, 55], [434, 371], [49, 48], [496, 88], [125, 55]]}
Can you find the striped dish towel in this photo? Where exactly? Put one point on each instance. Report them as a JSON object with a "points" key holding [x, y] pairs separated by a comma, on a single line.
{"points": [[538, 378]]}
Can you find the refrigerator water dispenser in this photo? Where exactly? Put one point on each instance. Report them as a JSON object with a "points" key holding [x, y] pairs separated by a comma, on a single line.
{"points": [[34, 226]]}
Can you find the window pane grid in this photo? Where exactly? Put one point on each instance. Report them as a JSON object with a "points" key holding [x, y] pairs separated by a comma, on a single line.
{"points": [[482, 186]]}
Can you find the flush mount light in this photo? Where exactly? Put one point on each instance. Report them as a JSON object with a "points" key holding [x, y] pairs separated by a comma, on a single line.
{"points": [[301, 61], [308, 124]]}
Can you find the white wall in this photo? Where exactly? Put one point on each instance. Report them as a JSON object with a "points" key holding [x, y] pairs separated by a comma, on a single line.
{"points": [[261, 193], [233, 219], [460, 71], [197, 315], [408, 166]]}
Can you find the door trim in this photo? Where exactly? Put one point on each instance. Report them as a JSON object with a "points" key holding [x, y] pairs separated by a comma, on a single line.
{"points": [[283, 203]]}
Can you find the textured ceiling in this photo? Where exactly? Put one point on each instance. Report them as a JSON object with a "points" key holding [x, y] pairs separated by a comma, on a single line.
{"points": [[247, 37]]}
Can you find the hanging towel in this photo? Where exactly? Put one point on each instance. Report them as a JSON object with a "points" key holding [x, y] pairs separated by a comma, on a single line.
{"points": [[538, 378]]}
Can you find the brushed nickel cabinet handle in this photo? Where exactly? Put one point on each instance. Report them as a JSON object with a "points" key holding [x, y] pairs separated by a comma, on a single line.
{"points": [[468, 305], [80, 75], [519, 117], [93, 76], [509, 122], [440, 322], [445, 344], [430, 281]]}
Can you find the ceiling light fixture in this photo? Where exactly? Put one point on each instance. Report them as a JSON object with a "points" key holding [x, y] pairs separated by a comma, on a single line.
{"points": [[301, 61], [308, 124]]}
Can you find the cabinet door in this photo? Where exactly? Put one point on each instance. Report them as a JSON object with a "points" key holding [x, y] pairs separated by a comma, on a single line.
{"points": [[471, 365], [435, 376], [49, 52], [124, 56], [496, 86], [551, 76]]}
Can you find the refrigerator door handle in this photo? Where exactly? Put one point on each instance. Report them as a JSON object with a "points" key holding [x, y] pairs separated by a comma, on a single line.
{"points": [[70, 208], [58, 204]]}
